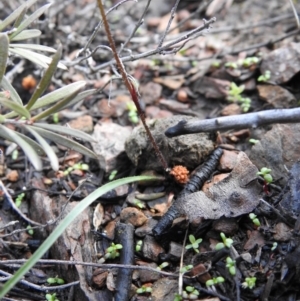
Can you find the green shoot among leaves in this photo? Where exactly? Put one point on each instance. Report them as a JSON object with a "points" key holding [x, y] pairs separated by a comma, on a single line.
{"points": [[113, 251], [162, 266], [194, 243], [265, 173], [227, 242], [253, 141], [144, 289], [190, 293], [230, 265], [249, 282], [274, 246], [138, 246], [55, 280], [30, 230], [186, 268], [19, 199], [51, 297], [254, 219], [214, 281], [234, 95], [264, 77], [132, 112]]}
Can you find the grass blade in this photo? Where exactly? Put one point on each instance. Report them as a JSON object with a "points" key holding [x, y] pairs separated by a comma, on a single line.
{"points": [[15, 107], [46, 147], [66, 142], [28, 150], [4, 44], [66, 130], [87, 201]]}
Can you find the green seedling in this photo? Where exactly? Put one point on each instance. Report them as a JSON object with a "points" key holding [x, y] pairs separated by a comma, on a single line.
{"points": [[132, 112], [234, 95], [55, 280], [30, 230], [249, 282], [144, 289], [51, 297], [230, 265], [214, 281], [138, 246], [113, 251], [274, 246], [232, 65], [253, 141], [190, 293], [194, 243], [265, 173], [264, 77], [186, 268], [77, 166], [227, 242], [249, 61], [216, 64], [162, 266], [15, 154], [139, 204], [245, 104], [112, 175], [177, 297], [254, 219], [19, 199], [55, 118]]}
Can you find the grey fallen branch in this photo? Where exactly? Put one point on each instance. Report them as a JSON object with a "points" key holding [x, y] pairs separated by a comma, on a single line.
{"points": [[250, 120]]}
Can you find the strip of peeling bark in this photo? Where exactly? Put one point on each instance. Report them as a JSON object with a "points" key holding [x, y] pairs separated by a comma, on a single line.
{"points": [[195, 183], [124, 235], [250, 120]]}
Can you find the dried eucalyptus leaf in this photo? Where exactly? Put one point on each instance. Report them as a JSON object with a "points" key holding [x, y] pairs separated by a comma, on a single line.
{"points": [[4, 44], [66, 142], [27, 148], [47, 148], [237, 194], [66, 130], [22, 111]]}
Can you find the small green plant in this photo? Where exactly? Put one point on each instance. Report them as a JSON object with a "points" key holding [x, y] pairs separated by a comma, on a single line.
{"points": [[227, 242], [139, 204], [253, 141], [15, 155], [138, 246], [55, 118], [230, 265], [232, 65], [112, 175], [216, 64], [194, 243], [234, 95], [177, 297], [162, 266], [113, 251], [265, 173], [264, 77], [19, 199], [77, 166], [249, 61], [186, 268], [274, 246], [51, 297], [249, 282], [30, 230], [144, 289], [55, 280], [132, 112], [254, 219], [214, 281], [190, 293]]}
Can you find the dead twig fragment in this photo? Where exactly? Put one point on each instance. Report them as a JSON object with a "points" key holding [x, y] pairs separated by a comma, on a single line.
{"points": [[251, 120]]}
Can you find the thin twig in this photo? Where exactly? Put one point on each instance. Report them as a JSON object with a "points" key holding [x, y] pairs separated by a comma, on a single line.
{"points": [[295, 13], [251, 120], [173, 11], [182, 38], [180, 278], [137, 25]]}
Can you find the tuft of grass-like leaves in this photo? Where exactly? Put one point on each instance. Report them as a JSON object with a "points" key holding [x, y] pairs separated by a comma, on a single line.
{"points": [[18, 122]]}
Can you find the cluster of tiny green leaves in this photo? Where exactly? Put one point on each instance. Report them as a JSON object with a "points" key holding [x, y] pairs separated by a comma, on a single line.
{"points": [[235, 95], [24, 117], [51, 297], [194, 244], [266, 174], [227, 242], [112, 252]]}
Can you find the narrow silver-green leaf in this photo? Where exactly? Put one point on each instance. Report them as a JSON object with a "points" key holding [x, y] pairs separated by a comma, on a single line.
{"points": [[66, 222], [33, 47], [20, 18], [55, 108], [26, 34], [66, 131], [28, 150], [82, 95], [15, 14], [4, 44], [39, 150], [58, 95], [47, 148], [15, 107], [30, 19], [65, 142], [6, 85], [46, 79]]}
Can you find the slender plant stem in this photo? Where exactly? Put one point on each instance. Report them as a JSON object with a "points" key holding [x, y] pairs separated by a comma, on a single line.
{"points": [[130, 86]]}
